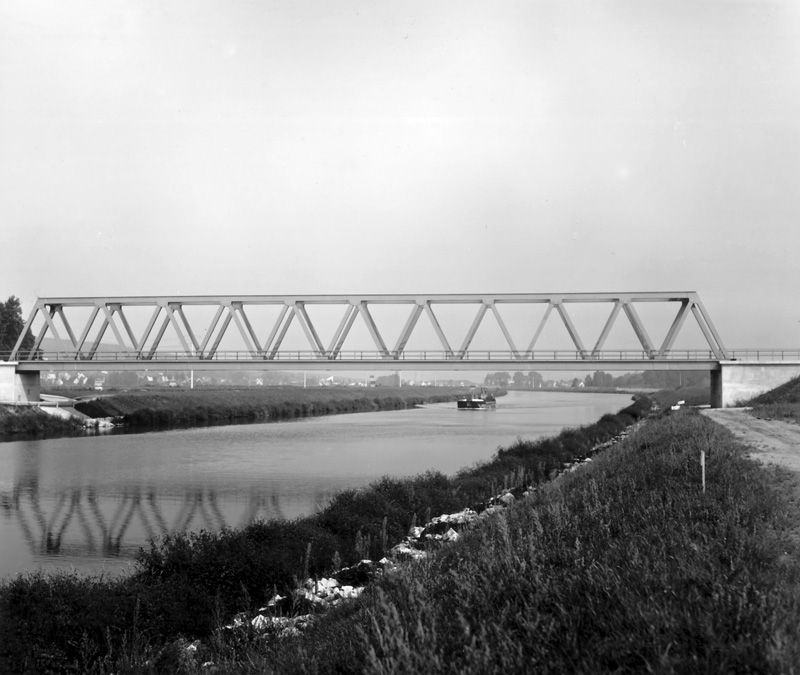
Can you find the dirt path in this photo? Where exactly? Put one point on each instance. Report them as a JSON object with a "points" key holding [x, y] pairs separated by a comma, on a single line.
{"points": [[773, 442]]}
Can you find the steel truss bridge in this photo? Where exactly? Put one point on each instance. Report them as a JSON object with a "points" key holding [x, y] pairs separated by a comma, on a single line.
{"points": [[97, 333]]}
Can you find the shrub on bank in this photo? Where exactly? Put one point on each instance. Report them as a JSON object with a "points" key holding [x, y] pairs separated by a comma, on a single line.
{"points": [[241, 567], [18, 422]]}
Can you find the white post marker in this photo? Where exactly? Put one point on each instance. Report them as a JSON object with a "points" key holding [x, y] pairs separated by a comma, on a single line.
{"points": [[703, 468]]}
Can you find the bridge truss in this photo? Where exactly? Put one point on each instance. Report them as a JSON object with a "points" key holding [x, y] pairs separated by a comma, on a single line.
{"points": [[97, 332]]}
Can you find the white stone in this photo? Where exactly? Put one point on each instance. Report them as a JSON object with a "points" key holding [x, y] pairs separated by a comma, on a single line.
{"points": [[451, 535]]}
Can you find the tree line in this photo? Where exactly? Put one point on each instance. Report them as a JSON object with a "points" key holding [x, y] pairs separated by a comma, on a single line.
{"points": [[654, 379], [11, 325]]}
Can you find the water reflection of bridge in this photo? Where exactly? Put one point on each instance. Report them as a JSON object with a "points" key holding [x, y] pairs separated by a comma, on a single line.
{"points": [[82, 522]]}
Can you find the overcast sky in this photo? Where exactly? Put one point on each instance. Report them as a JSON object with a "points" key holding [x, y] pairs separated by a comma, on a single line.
{"points": [[269, 147]]}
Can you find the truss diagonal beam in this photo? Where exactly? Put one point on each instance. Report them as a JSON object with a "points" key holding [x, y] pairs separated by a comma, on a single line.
{"points": [[276, 328], [470, 336], [439, 332], [188, 328], [349, 317], [607, 328], [506, 334], [677, 323], [573, 334], [539, 329], [62, 316], [110, 321], [411, 322], [309, 330], [244, 328], [373, 329], [173, 321], [638, 328], [279, 340], [211, 328], [148, 329], [127, 327], [708, 331]]}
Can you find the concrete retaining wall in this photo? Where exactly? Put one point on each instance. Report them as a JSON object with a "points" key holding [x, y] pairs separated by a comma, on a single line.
{"points": [[737, 381], [18, 387]]}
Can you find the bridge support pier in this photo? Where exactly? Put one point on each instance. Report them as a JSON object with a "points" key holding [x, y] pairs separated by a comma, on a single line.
{"points": [[18, 387], [737, 381]]}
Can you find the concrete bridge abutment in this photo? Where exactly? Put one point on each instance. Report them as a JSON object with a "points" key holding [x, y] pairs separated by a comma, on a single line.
{"points": [[18, 387], [738, 381]]}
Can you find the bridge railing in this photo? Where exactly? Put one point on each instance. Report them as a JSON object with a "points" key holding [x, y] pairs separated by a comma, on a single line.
{"points": [[109, 357], [633, 355]]}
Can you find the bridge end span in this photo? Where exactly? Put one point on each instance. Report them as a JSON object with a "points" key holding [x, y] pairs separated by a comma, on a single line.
{"points": [[738, 381], [18, 387]]}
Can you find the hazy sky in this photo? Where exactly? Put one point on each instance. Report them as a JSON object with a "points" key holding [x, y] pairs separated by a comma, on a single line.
{"points": [[260, 147]]}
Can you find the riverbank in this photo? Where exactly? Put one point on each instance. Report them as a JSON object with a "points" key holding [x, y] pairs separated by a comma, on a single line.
{"points": [[30, 421], [167, 408], [623, 564], [158, 408], [185, 584]]}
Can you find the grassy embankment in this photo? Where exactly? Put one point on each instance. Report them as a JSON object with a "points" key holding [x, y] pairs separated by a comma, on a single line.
{"points": [[625, 565], [782, 403]]}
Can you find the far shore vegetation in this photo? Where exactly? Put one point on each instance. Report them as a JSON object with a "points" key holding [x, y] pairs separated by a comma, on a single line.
{"points": [[167, 408]]}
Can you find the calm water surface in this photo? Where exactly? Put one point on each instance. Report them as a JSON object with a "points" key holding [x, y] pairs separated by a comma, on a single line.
{"points": [[90, 503]]}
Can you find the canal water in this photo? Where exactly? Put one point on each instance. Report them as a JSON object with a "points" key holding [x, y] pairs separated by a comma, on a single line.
{"points": [[89, 503]]}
